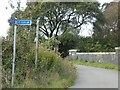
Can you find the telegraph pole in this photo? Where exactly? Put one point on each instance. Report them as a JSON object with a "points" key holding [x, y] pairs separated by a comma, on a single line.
{"points": [[37, 30]]}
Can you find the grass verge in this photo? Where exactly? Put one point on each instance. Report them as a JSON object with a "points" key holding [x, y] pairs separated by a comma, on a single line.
{"points": [[95, 64]]}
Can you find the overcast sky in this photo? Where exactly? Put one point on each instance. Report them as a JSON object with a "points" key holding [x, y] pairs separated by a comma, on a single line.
{"points": [[5, 14]]}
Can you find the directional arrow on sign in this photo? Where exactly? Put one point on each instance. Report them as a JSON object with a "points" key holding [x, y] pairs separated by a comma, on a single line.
{"points": [[24, 22]]}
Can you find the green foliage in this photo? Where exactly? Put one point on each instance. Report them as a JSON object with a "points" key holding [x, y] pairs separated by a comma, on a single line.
{"points": [[61, 20], [51, 67], [90, 44], [95, 64], [51, 43], [55, 17], [107, 33], [69, 40], [23, 48], [49, 63]]}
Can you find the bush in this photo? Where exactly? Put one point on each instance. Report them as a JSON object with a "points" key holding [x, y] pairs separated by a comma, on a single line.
{"points": [[52, 71]]}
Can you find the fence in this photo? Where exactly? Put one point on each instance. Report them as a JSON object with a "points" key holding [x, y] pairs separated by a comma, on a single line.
{"points": [[106, 57]]}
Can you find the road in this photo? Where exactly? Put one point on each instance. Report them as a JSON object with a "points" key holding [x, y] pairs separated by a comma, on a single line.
{"points": [[91, 77]]}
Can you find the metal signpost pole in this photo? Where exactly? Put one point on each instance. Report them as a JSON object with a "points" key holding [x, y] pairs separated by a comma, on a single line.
{"points": [[37, 30], [16, 22], [14, 48], [14, 54]]}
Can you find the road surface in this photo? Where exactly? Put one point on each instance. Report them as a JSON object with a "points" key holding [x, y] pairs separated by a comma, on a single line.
{"points": [[91, 77]]}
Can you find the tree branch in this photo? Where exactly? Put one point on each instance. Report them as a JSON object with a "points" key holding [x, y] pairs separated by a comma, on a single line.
{"points": [[57, 29], [82, 22], [44, 31]]}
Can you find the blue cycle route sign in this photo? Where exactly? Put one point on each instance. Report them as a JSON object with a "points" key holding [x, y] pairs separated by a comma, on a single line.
{"points": [[13, 20], [20, 22], [24, 22]]}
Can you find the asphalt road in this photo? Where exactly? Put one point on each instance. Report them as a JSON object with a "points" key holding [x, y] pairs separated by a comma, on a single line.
{"points": [[91, 77]]}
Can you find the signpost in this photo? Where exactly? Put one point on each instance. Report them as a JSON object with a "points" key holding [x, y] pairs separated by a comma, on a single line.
{"points": [[16, 22], [13, 20], [24, 22]]}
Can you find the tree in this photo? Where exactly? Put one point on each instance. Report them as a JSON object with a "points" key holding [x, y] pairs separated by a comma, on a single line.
{"points": [[56, 17], [107, 33], [69, 40]]}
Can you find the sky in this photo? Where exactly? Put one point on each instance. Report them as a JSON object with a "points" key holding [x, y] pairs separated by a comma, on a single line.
{"points": [[5, 14]]}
